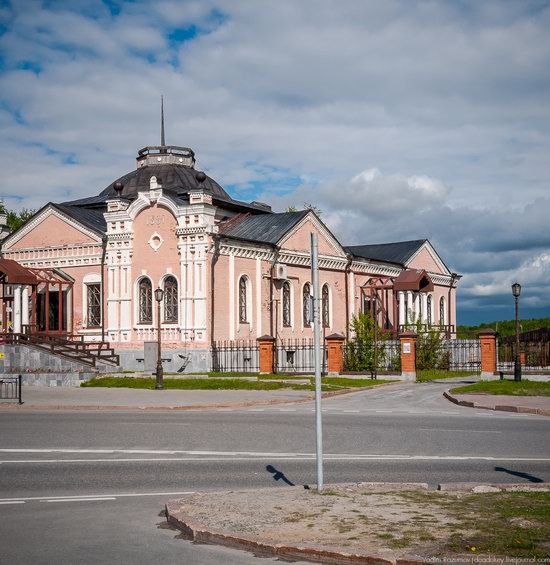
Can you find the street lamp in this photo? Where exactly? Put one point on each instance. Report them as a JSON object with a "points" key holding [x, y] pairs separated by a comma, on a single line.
{"points": [[516, 291], [159, 385]]}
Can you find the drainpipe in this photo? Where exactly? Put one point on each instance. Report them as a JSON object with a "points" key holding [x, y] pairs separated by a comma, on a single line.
{"points": [[103, 254]]}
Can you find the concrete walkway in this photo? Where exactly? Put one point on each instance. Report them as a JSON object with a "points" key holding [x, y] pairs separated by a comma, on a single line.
{"points": [[96, 398]]}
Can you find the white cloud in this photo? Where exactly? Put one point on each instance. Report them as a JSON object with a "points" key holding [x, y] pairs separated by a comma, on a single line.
{"points": [[443, 106]]}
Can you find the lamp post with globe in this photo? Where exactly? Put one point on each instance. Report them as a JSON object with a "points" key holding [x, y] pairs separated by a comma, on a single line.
{"points": [[159, 384]]}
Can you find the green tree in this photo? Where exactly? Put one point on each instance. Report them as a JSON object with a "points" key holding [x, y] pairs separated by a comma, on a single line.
{"points": [[366, 351], [430, 350], [307, 206], [16, 219]]}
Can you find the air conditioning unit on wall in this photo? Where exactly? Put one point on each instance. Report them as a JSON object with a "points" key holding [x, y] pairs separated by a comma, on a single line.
{"points": [[279, 272]]}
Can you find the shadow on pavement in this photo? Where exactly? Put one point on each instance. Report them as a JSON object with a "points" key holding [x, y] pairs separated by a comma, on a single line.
{"points": [[278, 475], [527, 476]]}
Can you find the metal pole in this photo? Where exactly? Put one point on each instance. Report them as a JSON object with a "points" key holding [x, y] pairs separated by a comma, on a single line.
{"points": [[159, 385], [20, 379], [517, 364], [317, 359]]}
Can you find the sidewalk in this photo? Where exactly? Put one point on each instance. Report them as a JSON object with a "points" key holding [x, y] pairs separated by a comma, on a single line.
{"points": [[523, 404], [73, 398]]}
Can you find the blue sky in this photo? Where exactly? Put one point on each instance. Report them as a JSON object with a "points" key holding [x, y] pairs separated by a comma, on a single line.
{"points": [[400, 120]]}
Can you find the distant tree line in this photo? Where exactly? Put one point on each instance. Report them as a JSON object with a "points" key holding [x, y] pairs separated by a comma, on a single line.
{"points": [[503, 327]]}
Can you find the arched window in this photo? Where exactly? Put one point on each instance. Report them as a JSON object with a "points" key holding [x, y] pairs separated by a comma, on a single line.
{"points": [[406, 316], [306, 304], [170, 300], [325, 306], [420, 310], [286, 304], [243, 300], [429, 310], [145, 301], [442, 311]]}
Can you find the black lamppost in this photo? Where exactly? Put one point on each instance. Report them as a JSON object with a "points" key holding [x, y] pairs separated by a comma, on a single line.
{"points": [[159, 385], [516, 291]]}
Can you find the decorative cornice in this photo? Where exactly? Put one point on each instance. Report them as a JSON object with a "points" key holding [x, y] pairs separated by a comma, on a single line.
{"points": [[368, 268]]}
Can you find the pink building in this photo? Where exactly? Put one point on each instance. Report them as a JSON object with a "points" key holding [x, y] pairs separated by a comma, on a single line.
{"points": [[230, 270]]}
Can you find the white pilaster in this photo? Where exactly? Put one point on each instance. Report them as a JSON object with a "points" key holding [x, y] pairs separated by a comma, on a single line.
{"points": [[258, 297], [25, 306], [402, 307], [17, 309], [231, 296]]}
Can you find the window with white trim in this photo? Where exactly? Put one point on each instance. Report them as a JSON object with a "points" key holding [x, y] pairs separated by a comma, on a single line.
{"points": [[243, 300], [306, 305], [170, 300], [287, 321], [93, 305], [145, 291], [325, 306]]}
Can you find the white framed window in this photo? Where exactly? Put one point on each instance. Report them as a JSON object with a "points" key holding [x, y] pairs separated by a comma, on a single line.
{"points": [[286, 302], [442, 311], [145, 301], [306, 305], [171, 300], [92, 301], [245, 300], [325, 306]]}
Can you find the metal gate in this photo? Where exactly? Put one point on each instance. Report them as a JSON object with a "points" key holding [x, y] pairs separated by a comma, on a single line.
{"points": [[447, 358], [10, 389]]}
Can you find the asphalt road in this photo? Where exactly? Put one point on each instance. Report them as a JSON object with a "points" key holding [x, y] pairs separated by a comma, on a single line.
{"points": [[89, 486]]}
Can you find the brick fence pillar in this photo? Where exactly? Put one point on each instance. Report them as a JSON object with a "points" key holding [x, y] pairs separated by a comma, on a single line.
{"points": [[265, 344], [488, 347], [408, 356], [335, 353]]}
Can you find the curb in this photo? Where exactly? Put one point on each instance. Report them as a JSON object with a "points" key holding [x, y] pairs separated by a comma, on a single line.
{"points": [[498, 407], [246, 404], [199, 533]]}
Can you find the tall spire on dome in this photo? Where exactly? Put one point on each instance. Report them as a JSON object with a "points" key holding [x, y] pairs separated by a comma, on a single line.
{"points": [[162, 141]]}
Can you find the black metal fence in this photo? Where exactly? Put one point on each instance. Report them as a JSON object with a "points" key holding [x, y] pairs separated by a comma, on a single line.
{"points": [[236, 356], [460, 357], [380, 357], [534, 356], [297, 356], [10, 389]]}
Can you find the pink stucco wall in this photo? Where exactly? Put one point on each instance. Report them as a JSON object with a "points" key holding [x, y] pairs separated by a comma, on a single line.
{"points": [[301, 240], [424, 260], [53, 231], [145, 260]]}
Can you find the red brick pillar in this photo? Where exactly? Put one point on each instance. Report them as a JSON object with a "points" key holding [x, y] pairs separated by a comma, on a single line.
{"points": [[488, 347], [265, 344], [408, 356], [335, 353]]}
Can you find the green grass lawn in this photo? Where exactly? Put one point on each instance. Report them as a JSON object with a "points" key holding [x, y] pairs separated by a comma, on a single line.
{"points": [[328, 383], [436, 374], [508, 387]]}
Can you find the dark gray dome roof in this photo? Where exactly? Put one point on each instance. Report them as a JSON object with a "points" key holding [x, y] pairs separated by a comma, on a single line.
{"points": [[174, 178]]}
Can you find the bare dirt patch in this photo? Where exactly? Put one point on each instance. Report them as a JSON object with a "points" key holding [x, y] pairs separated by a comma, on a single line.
{"points": [[391, 522]]}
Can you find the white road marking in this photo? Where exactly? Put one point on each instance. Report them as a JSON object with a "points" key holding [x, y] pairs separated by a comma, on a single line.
{"points": [[241, 456], [80, 499], [456, 430], [256, 410], [352, 411], [287, 409], [381, 411], [23, 499]]}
